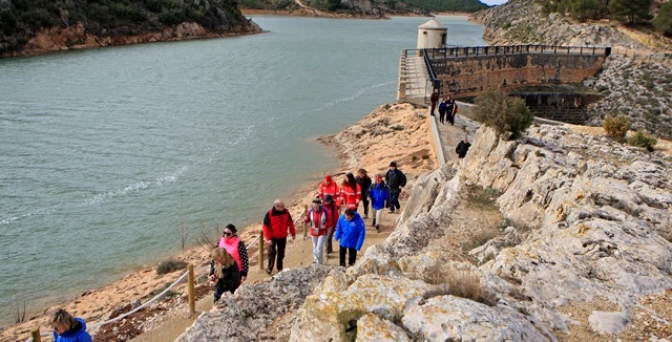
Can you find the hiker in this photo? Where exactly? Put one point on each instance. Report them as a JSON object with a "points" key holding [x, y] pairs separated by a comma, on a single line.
{"points": [[462, 148], [232, 243], [350, 233], [351, 192], [332, 211], [442, 110], [395, 180], [68, 328], [329, 187], [451, 110], [223, 272], [317, 216], [434, 99], [277, 222], [364, 182], [379, 196]]}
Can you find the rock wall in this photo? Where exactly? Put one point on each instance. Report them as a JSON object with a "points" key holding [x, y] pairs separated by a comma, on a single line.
{"points": [[468, 76], [588, 219]]}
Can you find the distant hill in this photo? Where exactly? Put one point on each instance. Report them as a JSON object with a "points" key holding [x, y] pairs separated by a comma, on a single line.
{"points": [[23, 20], [375, 8]]}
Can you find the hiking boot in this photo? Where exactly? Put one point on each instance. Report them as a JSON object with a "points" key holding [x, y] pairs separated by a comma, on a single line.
{"points": [[374, 221], [377, 228], [391, 211], [269, 271]]}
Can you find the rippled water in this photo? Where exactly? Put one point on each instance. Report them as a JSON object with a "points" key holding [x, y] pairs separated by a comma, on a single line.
{"points": [[106, 154]]}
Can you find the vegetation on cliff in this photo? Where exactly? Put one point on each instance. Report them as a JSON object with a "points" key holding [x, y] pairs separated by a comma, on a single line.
{"points": [[20, 20], [375, 8]]}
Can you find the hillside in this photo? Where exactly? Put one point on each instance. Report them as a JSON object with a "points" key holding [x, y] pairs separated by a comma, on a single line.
{"points": [[37, 26], [635, 80], [365, 8]]}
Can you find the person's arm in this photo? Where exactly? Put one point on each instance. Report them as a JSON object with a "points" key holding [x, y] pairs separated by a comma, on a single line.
{"points": [[266, 227], [403, 179], [337, 234], [362, 234], [85, 337], [323, 218], [358, 194], [292, 229], [457, 149], [242, 251]]}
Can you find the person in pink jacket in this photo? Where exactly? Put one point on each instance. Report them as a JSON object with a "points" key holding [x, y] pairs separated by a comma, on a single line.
{"points": [[351, 192], [232, 243]]}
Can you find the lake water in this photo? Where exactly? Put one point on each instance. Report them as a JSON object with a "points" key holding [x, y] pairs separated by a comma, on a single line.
{"points": [[106, 154]]}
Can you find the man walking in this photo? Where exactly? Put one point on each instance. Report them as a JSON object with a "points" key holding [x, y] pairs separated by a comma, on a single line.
{"points": [[277, 223], [395, 180], [434, 99], [462, 148]]}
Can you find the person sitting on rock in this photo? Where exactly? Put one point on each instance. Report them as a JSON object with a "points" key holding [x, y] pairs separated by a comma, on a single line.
{"points": [[223, 272], [462, 148], [350, 233]]}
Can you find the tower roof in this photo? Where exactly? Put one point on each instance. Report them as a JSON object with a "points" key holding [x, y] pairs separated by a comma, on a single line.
{"points": [[432, 25]]}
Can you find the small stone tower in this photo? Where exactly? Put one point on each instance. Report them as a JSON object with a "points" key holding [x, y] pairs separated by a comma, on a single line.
{"points": [[431, 35]]}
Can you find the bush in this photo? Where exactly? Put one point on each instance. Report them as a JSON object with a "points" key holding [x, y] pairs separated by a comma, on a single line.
{"points": [[639, 139], [583, 10], [663, 21], [502, 113], [630, 11], [616, 127], [169, 266]]}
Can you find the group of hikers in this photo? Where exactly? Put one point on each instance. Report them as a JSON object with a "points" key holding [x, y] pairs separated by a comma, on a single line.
{"points": [[448, 110], [332, 216]]}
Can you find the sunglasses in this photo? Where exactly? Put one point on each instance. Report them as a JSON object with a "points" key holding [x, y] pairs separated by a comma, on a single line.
{"points": [[227, 233]]}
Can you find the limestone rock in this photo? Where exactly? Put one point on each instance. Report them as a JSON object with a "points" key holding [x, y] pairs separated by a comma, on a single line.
{"points": [[371, 328]]}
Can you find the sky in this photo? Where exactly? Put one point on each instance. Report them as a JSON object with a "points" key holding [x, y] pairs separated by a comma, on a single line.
{"points": [[493, 2]]}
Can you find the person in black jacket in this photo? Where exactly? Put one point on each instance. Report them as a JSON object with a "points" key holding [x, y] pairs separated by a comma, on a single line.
{"points": [[224, 271], [364, 182], [462, 148], [395, 180]]}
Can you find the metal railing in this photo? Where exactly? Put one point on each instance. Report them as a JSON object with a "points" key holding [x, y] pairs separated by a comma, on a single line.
{"points": [[507, 50]]}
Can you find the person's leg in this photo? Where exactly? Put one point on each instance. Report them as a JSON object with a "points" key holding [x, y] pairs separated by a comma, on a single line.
{"points": [[365, 202], [341, 255], [330, 240], [219, 289], [272, 252], [315, 242], [282, 243], [394, 194], [379, 216], [320, 249], [441, 116], [352, 256], [396, 202]]}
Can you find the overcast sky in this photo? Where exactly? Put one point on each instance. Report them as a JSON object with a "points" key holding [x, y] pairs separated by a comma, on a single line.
{"points": [[493, 2]]}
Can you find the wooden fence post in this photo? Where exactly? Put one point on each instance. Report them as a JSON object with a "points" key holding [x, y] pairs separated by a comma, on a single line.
{"points": [[261, 250], [35, 333], [192, 291]]}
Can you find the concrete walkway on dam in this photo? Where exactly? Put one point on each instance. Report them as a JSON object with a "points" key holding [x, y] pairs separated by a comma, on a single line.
{"points": [[414, 85]]}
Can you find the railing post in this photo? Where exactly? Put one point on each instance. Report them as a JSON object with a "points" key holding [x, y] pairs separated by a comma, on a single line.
{"points": [[192, 291], [35, 333], [261, 250]]}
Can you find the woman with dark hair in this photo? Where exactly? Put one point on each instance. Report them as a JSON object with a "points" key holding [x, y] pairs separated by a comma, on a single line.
{"points": [[364, 182], [68, 328], [351, 192], [232, 243], [350, 233]]}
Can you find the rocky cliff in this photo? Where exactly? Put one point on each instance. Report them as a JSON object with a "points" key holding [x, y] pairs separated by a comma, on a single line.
{"points": [[634, 80], [583, 248]]}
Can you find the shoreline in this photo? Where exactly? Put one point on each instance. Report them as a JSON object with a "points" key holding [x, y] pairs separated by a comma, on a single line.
{"points": [[95, 305]]}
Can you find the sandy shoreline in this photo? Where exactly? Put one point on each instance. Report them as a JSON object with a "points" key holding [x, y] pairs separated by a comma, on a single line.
{"points": [[374, 154]]}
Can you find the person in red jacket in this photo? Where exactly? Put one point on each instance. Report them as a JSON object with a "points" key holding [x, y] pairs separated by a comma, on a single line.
{"points": [[277, 222], [317, 216], [351, 192], [332, 218], [329, 187]]}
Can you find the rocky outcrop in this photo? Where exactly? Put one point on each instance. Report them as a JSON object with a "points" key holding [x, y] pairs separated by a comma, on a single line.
{"points": [[588, 219]]}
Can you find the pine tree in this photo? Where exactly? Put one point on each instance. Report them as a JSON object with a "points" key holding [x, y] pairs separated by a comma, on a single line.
{"points": [[631, 11]]}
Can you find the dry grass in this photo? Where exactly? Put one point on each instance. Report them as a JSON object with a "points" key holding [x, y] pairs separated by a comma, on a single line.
{"points": [[483, 199], [460, 283]]}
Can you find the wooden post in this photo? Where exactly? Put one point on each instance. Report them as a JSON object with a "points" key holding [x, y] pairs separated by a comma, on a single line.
{"points": [[192, 291], [261, 250], [305, 225], [36, 335]]}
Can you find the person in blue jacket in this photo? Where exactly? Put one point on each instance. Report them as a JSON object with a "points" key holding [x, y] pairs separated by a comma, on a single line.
{"points": [[68, 328], [350, 233], [379, 195]]}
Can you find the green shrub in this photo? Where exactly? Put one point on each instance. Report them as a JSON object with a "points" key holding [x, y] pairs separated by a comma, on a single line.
{"points": [[169, 266], [502, 113], [630, 11], [583, 10], [616, 127], [663, 20], [639, 139]]}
